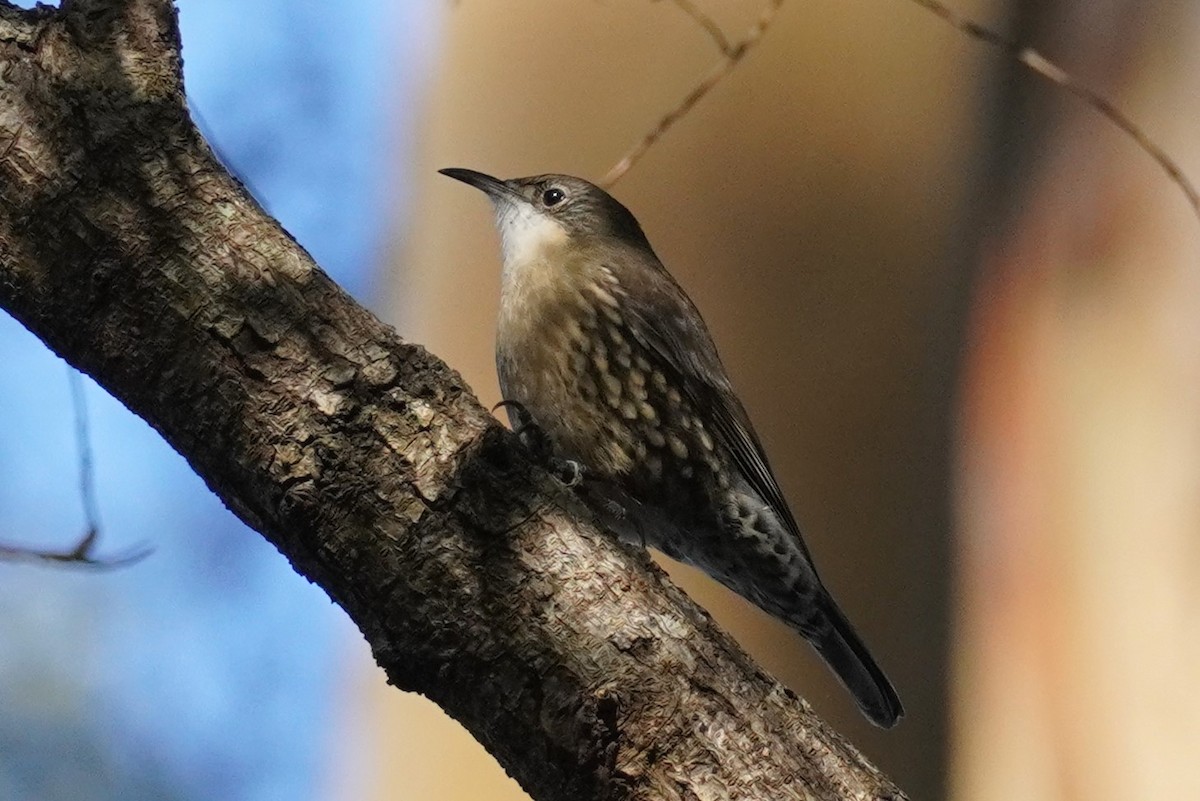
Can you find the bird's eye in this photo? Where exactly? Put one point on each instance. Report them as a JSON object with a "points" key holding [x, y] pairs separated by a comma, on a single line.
{"points": [[553, 196]]}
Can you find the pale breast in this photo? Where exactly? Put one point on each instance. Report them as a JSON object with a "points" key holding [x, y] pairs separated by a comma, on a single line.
{"points": [[546, 355]]}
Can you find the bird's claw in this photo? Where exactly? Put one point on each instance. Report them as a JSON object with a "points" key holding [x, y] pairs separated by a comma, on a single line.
{"points": [[527, 430], [567, 471]]}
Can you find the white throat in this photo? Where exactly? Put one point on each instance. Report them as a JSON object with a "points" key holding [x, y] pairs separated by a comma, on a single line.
{"points": [[527, 236]]}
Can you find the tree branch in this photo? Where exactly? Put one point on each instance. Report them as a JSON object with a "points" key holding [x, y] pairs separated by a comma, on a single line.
{"points": [[475, 578]]}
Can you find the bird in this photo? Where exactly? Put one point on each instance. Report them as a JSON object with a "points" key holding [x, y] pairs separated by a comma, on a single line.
{"points": [[606, 355]]}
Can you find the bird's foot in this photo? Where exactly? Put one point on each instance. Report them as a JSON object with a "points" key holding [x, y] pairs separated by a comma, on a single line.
{"points": [[532, 435], [567, 471]]}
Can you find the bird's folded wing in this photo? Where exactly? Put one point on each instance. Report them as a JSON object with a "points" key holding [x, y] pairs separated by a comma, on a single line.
{"points": [[662, 318]]}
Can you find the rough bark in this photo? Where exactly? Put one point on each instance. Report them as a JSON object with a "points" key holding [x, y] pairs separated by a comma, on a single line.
{"points": [[475, 578]]}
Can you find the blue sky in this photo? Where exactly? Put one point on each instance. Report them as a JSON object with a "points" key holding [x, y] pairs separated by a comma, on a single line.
{"points": [[207, 670]]}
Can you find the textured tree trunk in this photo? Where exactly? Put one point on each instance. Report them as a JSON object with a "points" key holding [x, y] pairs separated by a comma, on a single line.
{"points": [[476, 579]]}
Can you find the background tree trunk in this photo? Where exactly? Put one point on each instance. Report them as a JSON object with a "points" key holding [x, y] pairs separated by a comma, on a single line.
{"points": [[1080, 448]]}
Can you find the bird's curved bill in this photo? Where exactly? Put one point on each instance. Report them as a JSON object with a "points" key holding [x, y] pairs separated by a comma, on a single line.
{"points": [[492, 187]]}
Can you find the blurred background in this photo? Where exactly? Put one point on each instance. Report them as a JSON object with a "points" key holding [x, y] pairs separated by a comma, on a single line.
{"points": [[963, 311]]}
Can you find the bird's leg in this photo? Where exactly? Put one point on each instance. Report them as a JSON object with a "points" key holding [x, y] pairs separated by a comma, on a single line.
{"points": [[526, 428], [568, 472]]}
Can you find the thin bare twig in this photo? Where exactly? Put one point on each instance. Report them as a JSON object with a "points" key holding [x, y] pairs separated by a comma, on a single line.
{"points": [[707, 23], [733, 54], [82, 553], [1042, 66], [83, 443]]}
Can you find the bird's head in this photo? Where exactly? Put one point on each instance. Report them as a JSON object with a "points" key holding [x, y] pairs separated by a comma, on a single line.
{"points": [[541, 212]]}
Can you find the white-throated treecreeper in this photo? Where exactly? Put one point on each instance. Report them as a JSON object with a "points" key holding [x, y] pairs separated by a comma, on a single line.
{"points": [[600, 345]]}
